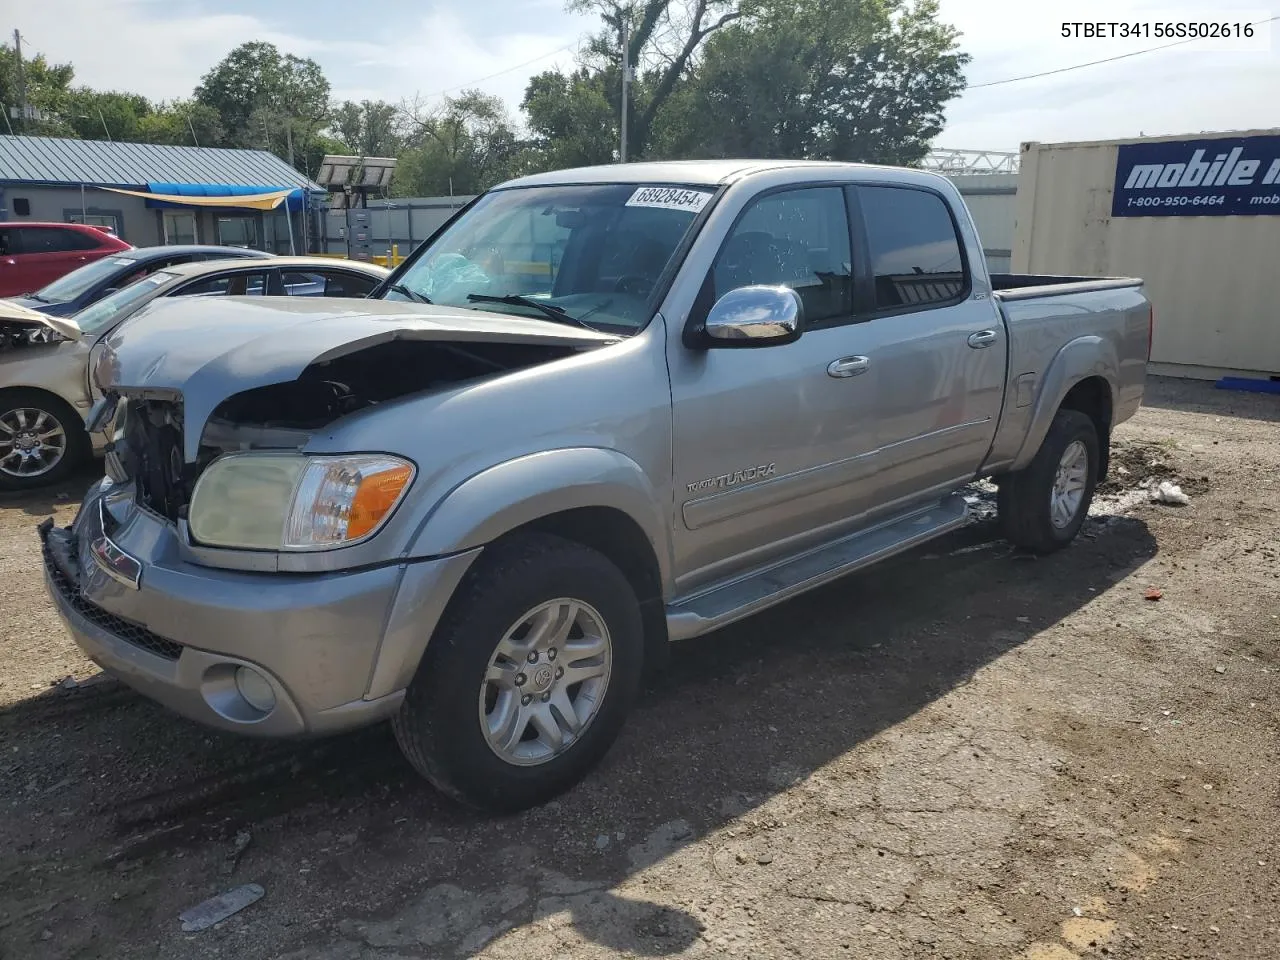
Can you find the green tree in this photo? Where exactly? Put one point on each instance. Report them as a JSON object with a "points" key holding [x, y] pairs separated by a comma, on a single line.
{"points": [[184, 123], [573, 120], [371, 128], [575, 116], [47, 86], [267, 99], [104, 115], [865, 80], [462, 146]]}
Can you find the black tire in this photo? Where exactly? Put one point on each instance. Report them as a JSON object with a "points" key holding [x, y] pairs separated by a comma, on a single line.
{"points": [[1024, 500], [78, 447], [438, 725]]}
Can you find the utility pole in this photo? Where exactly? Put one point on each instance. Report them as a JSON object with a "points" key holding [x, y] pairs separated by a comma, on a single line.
{"points": [[22, 81], [288, 138], [626, 81]]}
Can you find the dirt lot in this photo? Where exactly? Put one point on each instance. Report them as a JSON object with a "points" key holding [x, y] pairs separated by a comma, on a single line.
{"points": [[963, 754]]}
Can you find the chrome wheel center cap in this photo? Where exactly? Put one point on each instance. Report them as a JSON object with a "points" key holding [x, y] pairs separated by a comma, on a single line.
{"points": [[542, 678]]}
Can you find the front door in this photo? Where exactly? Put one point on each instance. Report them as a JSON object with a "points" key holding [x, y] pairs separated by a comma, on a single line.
{"points": [[938, 350], [769, 445]]}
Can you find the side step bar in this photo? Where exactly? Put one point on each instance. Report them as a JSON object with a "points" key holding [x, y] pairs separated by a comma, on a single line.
{"points": [[725, 604]]}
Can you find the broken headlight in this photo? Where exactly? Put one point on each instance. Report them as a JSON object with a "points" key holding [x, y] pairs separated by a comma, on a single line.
{"points": [[280, 501]]}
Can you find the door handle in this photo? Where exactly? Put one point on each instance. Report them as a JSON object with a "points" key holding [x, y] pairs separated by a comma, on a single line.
{"points": [[983, 338], [848, 366]]}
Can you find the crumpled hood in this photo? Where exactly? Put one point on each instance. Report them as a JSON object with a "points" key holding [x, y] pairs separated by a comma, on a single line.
{"points": [[203, 350], [19, 312]]}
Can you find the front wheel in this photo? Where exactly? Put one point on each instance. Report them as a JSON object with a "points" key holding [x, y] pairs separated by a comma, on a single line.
{"points": [[42, 440], [1043, 507], [528, 678]]}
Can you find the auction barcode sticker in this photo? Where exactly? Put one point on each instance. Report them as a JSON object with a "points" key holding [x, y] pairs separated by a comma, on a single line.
{"points": [[670, 198]]}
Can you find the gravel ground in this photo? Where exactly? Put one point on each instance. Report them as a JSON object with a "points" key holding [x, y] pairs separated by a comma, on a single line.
{"points": [[964, 753]]}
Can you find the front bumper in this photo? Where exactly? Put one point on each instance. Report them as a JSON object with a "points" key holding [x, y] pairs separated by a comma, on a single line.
{"points": [[180, 633]]}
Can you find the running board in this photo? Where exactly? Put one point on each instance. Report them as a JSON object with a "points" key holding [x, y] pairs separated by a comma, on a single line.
{"points": [[723, 605]]}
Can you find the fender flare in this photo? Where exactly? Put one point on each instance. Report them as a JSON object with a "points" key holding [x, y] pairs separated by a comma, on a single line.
{"points": [[1079, 359], [481, 509], [516, 492]]}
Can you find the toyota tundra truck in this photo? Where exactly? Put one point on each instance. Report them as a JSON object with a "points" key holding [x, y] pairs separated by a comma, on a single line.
{"points": [[600, 410]]}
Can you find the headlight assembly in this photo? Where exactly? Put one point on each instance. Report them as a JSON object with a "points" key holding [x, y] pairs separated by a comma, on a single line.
{"points": [[281, 501]]}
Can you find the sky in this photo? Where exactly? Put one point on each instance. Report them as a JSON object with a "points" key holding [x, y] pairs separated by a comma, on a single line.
{"points": [[398, 49]]}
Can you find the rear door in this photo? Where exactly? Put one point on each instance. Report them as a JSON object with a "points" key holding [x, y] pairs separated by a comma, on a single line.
{"points": [[47, 253], [938, 344]]}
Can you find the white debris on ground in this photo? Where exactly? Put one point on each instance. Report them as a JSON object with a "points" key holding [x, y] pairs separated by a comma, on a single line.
{"points": [[1170, 493]]}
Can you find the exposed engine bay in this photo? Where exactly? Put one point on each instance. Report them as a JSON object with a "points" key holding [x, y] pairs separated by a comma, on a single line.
{"points": [[15, 334], [148, 441], [332, 389]]}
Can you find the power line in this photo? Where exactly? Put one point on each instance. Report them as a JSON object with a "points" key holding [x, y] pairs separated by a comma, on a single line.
{"points": [[492, 76], [1094, 63]]}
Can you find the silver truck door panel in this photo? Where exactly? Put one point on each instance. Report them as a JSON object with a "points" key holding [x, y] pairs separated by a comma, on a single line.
{"points": [[939, 344], [774, 444], [768, 446], [939, 397]]}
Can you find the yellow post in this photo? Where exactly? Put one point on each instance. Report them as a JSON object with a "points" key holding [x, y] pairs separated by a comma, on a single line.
{"points": [[395, 255]]}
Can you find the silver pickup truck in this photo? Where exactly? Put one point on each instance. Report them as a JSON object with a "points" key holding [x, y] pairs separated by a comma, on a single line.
{"points": [[600, 410]]}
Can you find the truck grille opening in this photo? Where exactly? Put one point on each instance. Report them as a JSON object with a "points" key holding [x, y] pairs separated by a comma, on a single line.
{"points": [[131, 633], [152, 456]]}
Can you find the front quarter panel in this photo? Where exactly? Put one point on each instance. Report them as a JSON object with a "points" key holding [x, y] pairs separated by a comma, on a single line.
{"points": [[57, 368], [523, 490]]}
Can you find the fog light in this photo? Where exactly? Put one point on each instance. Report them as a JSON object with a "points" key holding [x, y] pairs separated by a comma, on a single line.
{"points": [[255, 689]]}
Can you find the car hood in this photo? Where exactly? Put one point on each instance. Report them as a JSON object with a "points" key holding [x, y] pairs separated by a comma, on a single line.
{"points": [[25, 312], [203, 350]]}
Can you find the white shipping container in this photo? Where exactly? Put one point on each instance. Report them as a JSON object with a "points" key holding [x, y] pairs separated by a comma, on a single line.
{"points": [[1209, 277], [990, 199]]}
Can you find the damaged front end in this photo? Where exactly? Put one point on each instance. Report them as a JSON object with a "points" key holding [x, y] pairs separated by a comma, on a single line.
{"points": [[21, 327], [164, 434]]}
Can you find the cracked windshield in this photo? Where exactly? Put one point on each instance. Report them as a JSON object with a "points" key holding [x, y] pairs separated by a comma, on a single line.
{"points": [[589, 256]]}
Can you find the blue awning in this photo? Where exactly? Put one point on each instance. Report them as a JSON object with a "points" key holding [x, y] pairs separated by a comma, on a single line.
{"points": [[294, 200]]}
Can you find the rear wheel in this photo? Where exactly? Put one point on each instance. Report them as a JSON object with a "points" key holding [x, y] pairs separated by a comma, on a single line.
{"points": [[529, 676], [1043, 507], [42, 440]]}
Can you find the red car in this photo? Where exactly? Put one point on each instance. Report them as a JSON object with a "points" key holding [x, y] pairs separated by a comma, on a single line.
{"points": [[35, 254]]}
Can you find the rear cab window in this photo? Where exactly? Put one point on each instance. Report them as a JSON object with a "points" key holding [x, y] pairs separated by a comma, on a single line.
{"points": [[916, 257]]}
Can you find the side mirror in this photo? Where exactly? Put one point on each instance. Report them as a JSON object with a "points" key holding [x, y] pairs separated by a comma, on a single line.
{"points": [[755, 317]]}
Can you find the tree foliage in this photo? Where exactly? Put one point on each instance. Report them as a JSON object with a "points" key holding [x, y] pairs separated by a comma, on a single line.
{"points": [[853, 80], [371, 128], [866, 80], [463, 145]]}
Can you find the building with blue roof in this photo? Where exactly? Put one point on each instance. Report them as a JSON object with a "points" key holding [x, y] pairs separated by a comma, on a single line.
{"points": [[152, 194]]}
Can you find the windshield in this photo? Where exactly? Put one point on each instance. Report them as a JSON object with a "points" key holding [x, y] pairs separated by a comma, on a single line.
{"points": [[76, 282], [108, 310], [586, 255]]}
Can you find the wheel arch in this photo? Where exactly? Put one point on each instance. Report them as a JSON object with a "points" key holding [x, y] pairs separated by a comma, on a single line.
{"points": [[1082, 376], [595, 497]]}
